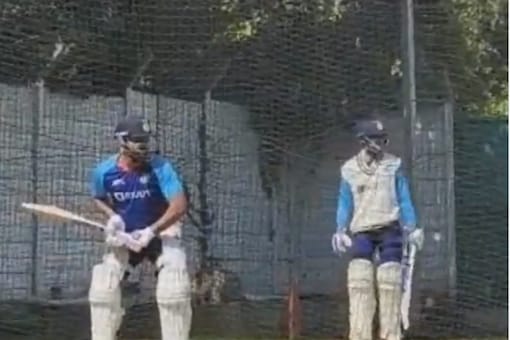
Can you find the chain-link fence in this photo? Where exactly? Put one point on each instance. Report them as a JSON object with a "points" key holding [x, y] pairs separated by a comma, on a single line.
{"points": [[252, 101]]}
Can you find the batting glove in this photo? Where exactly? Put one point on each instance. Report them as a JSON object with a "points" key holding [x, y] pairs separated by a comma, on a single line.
{"points": [[415, 236], [114, 225], [340, 242], [144, 236]]}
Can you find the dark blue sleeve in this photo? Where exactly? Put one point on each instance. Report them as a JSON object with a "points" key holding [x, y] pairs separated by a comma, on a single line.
{"points": [[169, 181], [345, 205], [407, 211]]}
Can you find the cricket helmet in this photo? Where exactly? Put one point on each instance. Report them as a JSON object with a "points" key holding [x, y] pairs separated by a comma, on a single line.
{"points": [[133, 134]]}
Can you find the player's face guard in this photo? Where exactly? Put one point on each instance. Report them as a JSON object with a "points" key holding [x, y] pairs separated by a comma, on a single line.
{"points": [[374, 144], [135, 146]]}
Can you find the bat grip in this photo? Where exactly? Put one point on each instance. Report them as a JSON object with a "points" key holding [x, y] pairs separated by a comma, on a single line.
{"points": [[130, 243]]}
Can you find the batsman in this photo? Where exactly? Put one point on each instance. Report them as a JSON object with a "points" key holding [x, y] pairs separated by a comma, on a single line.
{"points": [[376, 208], [142, 195]]}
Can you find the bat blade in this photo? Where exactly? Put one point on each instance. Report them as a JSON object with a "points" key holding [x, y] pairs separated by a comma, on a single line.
{"points": [[55, 212], [407, 287]]}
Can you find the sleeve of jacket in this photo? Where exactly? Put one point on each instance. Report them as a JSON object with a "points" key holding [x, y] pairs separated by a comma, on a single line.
{"points": [[345, 205], [407, 210]]}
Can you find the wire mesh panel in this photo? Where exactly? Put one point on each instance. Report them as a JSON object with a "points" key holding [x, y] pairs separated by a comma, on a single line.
{"points": [[253, 103]]}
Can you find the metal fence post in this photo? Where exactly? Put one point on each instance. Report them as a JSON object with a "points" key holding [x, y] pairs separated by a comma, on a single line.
{"points": [[37, 110], [409, 83], [409, 98]]}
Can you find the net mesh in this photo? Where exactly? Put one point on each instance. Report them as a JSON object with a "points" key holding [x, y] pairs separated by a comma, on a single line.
{"points": [[252, 101]]}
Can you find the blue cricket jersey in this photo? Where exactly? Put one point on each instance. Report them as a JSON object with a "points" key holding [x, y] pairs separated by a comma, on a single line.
{"points": [[140, 198]]}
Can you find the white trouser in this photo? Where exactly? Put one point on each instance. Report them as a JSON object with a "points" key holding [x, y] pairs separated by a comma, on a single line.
{"points": [[173, 292], [106, 310]]}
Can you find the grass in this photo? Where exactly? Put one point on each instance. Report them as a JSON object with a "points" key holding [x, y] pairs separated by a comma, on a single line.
{"points": [[323, 318]]}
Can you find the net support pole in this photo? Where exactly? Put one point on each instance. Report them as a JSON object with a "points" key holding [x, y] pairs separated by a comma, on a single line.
{"points": [[137, 81], [37, 110], [205, 215], [203, 170], [409, 92], [38, 107]]}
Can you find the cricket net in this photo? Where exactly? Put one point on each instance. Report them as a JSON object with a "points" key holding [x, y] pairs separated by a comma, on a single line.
{"points": [[253, 101]]}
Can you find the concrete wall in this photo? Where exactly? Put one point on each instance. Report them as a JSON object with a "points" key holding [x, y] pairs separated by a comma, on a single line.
{"points": [[62, 137]]}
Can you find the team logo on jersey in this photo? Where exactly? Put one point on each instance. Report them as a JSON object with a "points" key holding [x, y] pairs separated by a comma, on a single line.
{"points": [[360, 189], [117, 182], [144, 179], [131, 195]]}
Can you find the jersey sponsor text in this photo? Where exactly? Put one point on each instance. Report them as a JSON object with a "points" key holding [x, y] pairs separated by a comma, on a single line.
{"points": [[130, 195]]}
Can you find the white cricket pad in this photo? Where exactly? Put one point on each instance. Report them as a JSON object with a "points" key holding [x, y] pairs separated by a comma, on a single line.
{"points": [[389, 282], [173, 292], [362, 300], [106, 311]]}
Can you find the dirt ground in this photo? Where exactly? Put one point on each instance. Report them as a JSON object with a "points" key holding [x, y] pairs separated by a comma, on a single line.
{"points": [[322, 319]]}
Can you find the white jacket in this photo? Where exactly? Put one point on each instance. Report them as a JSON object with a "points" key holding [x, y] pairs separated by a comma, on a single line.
{"points": [[373, 196]]}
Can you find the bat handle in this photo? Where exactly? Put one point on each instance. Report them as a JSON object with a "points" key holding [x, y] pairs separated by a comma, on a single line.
{"points": [[129, 242], [134, 247]]}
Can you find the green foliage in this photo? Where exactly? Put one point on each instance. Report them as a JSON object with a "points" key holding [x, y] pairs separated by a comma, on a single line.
{"points": [[484, 25], [313, 46], [301, 67], [464, 50]]}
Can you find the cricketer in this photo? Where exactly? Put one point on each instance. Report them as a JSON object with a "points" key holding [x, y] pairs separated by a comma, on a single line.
{"points": [[375, 206], [141, 194]]}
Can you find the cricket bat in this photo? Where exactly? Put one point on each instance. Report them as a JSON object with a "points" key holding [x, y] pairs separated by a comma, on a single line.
{"points": [[407, 286], [57, 213]]}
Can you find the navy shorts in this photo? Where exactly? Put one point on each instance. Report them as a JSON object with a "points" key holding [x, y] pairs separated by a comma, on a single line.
{"points": [[388, 241]]}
